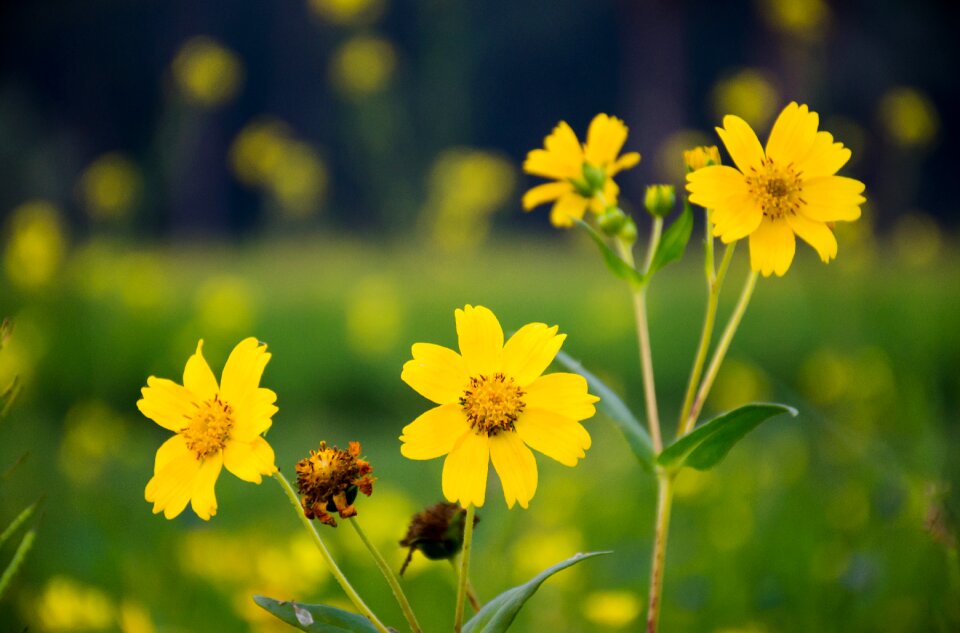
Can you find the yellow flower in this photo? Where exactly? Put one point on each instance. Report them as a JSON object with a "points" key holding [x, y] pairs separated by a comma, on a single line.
{"points": [[787, 189], [583, 174], [494, 404], [215, 426]]}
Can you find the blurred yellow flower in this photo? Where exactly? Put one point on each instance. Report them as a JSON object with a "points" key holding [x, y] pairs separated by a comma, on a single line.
{"points": [[802, 18], [207, 73], [110, 186], [93, 434], [749, 93], [493, 405], [909, 117], [700, 157], [583, 173], [363, 65], [348, 12], [36, 246], [68, 605], [612, 608], [226, 304], [374, 316], [785, 190], [215, 426]]}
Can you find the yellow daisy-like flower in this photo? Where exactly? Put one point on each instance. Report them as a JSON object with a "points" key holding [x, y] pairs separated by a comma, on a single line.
{"points": [[583, 174], [789, 188], [493, 405], [215, 425]]}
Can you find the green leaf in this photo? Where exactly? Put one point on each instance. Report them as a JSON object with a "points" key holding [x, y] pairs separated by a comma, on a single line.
{"points": [[615, 409], [318, 618], [497, 615], [26, 544], [614, 262], [21, 518], [707, 445], [674, 241]]}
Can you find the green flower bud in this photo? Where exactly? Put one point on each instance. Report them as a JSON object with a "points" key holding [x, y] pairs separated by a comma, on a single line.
{"points": [[612, 220], [659, 200], [628, 234], [595, 177]]}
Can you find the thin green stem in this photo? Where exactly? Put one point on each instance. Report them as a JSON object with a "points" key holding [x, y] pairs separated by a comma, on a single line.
{"points": [[464, 568], [709, 262], [722, 347], [325, 553], [664, 501], [714, 284], [389, 575], [654, 242], [471, 594]]}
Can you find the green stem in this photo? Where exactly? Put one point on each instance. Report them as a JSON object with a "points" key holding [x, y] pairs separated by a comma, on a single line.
{"points": [[722, 347], [464, 568], [714, 283], [708, 261], [389, 575], [654, 242], [471, 594], [664, 500], [325, 553]]}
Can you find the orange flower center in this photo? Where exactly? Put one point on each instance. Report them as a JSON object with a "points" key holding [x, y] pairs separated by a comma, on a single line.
{"points": [[777, 188], [209, 428], [492, 404]]}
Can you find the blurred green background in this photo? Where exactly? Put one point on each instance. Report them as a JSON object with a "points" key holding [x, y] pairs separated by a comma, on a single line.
{"points": [[336, 176]]}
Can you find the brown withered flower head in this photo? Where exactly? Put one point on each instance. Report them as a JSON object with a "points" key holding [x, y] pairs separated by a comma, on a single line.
{"points": [[329, 479], [437, 532]]}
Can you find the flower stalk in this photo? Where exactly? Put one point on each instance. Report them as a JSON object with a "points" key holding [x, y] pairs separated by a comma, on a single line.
{"points": [[464, 568], [664, 501], [325, 553]]}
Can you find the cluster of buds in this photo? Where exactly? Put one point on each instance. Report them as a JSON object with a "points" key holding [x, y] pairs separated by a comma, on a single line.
{"points": [[437, 532], [329, 479]]}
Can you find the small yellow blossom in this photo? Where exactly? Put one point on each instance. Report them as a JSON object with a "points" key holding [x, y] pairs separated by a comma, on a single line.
{"points": [[700, 157], [493, 405], [583, 173], [207, 73], [787, 189], [216, 425]]}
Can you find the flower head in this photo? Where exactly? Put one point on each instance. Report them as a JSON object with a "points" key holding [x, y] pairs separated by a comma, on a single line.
{"points": [[788, 188], [329, 480], [437, 532], [494, 405], [583, 173], [700, 157], [216, 425]]}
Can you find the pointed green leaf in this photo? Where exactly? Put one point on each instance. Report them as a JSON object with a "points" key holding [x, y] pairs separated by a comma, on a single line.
{"points": [[26, 543], [611, 404], [21, 518], [707, 445], [674, 241], [317, 618], [614, 262], [497, 615]]}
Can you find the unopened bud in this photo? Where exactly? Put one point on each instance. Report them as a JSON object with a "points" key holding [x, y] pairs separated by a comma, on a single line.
{"points": [[700, 157], [612, 220], [659, 200], [595, 177], [628, 234]]}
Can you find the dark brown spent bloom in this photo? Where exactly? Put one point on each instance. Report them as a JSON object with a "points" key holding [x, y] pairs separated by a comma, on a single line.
{"points": [[329, 479], [437, 532], [939, 521]]}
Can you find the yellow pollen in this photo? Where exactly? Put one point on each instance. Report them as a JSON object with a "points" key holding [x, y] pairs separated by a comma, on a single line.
{"points": [[777, 188], [492, 404], [209, 428]]}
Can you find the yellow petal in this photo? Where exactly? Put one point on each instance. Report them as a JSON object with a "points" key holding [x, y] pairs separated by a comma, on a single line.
{"points": [[253, 415], [563, 394], [554, 435], [436, 373], [516, 467], [465, 470], [197, 376], [481, 340], [566, 209], [174, 448], [530, 351], [249, 461], [167, 403], [833, 191], [542, 194], [203, 500], [741, 142], [816, 234], [605, 137], [241, 374], [540, 162], [563, 142], [736, 218], [772, 247], [824, 159], [434, 433], [710, 187], [170, 489], [793, 134], [626, 161]]}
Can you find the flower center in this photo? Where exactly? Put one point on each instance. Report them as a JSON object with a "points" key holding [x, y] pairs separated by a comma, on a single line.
{"points": [[492, 404], [776, 187], [209, 428]]}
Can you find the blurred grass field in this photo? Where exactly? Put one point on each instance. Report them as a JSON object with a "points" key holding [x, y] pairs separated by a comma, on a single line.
{"points": [[813, 523]]}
